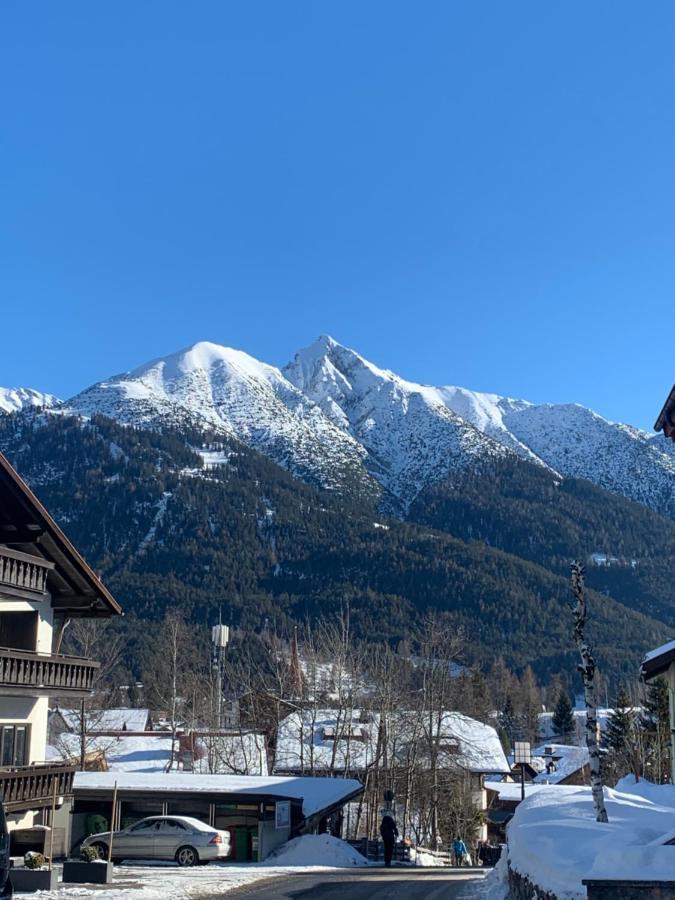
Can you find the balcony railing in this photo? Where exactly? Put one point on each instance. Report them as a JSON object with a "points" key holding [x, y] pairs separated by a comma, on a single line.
{"points": [[31, 787], [23, 574], [25, 672]]}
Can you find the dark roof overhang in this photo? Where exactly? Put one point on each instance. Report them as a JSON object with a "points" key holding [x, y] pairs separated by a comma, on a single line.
{"points": [[658, 665], [25, 525]]}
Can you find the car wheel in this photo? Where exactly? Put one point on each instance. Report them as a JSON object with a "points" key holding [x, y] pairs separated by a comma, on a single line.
{"points": [[187, 856], [101, 849]]}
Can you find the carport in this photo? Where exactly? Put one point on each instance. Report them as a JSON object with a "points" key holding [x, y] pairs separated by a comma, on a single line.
{"points": [[261, 813]]}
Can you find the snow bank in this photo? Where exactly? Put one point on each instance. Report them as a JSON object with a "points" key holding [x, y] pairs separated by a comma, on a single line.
{"points": [[316, 850], [422, 857], [555, 841]]}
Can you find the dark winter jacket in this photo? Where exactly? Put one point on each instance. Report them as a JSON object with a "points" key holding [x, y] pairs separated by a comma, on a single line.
{"points": [[388, 829]]}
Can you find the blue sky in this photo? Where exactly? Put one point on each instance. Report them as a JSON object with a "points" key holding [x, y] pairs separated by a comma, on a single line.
{"points": [[477, 193]]}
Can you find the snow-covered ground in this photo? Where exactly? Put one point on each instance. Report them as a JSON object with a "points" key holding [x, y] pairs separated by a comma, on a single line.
{"points": [[554, 840], [310, 853]]}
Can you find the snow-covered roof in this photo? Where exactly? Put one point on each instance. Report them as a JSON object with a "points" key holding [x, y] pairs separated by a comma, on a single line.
{"points": [[316, 793], [657, 661], [546, 729], [240, 753], [510, 791], [119, 719], [135, 753], [320, 741], [235, 754], [568, 760]]}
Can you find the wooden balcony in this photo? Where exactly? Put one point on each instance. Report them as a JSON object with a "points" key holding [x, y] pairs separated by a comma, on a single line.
{"points": [[22, 575], [33, 787], [37, 674]]}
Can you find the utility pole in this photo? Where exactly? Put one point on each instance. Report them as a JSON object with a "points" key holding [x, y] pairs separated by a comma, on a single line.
{"points": [[220, 636]]}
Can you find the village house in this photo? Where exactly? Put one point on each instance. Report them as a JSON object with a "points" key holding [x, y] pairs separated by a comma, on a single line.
{"points": [[44, 583], [325, 742]]}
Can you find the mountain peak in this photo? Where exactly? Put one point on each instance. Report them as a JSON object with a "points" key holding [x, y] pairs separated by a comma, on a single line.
{"points": [[15, 399]]}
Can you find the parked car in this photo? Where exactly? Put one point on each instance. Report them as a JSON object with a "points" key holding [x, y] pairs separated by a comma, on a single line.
{"points": [[6, 890], [181, 838]]}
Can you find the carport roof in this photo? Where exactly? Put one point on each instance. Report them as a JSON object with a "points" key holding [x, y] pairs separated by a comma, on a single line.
{"points": [[316, 794]]}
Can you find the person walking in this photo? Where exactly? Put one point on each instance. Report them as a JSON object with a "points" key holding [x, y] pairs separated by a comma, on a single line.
{"points": [[459, 850], [389, 833]]}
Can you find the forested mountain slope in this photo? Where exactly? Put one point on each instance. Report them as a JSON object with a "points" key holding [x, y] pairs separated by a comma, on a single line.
{"points": [[172, 519]]}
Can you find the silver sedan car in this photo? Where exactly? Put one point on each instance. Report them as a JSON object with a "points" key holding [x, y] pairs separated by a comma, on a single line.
{"points": [[181, 838]]}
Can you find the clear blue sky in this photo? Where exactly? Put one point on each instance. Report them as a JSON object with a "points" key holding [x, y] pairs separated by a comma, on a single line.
{"points": [[477, 193]]}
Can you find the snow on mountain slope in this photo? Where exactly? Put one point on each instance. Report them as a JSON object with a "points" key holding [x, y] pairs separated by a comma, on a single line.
{"points": [[231, 393], [418, 433], [15, 399], [412, 437], [577, 443]]}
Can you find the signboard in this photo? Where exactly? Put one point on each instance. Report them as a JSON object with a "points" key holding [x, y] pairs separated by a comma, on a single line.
{"points": [[282, 816], [522, 752]]}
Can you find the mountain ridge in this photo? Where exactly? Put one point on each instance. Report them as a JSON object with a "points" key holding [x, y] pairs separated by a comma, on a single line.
{"points": [[333, 418]]}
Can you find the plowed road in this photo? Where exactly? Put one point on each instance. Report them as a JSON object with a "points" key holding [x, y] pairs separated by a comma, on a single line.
{"points": [[367, 884]]}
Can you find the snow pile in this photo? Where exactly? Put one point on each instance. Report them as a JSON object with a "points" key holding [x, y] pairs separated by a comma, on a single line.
{"points": [[317, 850], [555, 842], [423, 857]]}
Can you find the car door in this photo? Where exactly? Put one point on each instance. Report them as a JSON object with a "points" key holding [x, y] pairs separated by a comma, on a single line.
{"points": [[137, 842], [170, 835]]}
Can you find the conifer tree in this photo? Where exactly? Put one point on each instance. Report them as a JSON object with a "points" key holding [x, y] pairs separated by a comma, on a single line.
{"points": [[618, 734], [530, 706], [563, 718], [655, 722]]}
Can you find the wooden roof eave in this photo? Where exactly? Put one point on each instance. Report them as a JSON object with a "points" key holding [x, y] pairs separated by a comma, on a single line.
{"points": [[88, 595], [666, 419]]}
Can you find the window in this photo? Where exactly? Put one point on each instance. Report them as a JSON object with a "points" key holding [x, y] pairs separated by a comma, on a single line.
{"points": [[14, 745], [144, 826], [170, 826]]}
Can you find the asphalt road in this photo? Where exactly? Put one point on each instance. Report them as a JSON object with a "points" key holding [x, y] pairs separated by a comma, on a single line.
{"points": [[366, 884]]}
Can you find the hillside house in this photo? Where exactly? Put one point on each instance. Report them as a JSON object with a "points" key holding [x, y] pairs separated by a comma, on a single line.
{"points": [[44, 582]]}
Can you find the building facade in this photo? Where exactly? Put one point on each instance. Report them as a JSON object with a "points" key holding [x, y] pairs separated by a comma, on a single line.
{"points": [[44, 582]]}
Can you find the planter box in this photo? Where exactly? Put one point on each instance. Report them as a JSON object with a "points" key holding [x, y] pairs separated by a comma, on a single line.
{"points": [[76, 871], [30, 880]]}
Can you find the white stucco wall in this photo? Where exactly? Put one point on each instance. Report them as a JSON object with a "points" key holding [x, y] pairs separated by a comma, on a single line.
{"points": [[33, 711]]}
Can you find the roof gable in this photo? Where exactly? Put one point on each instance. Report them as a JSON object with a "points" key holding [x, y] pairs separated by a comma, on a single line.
{"points": [[25, 525]]}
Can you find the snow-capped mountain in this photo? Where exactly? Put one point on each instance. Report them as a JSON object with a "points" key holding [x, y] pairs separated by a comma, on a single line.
{"points": [[334, 418], [401, 424], [15, 399], [412, 437], [577, 443], [232, 394]]}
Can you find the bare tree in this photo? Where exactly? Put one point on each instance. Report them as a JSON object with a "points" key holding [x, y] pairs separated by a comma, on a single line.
{"points": [[587, 669], [92, 639]]}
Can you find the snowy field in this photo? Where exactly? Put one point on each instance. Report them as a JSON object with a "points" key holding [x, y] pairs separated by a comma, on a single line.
{"points": [[311, 853], [555, 841]]}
